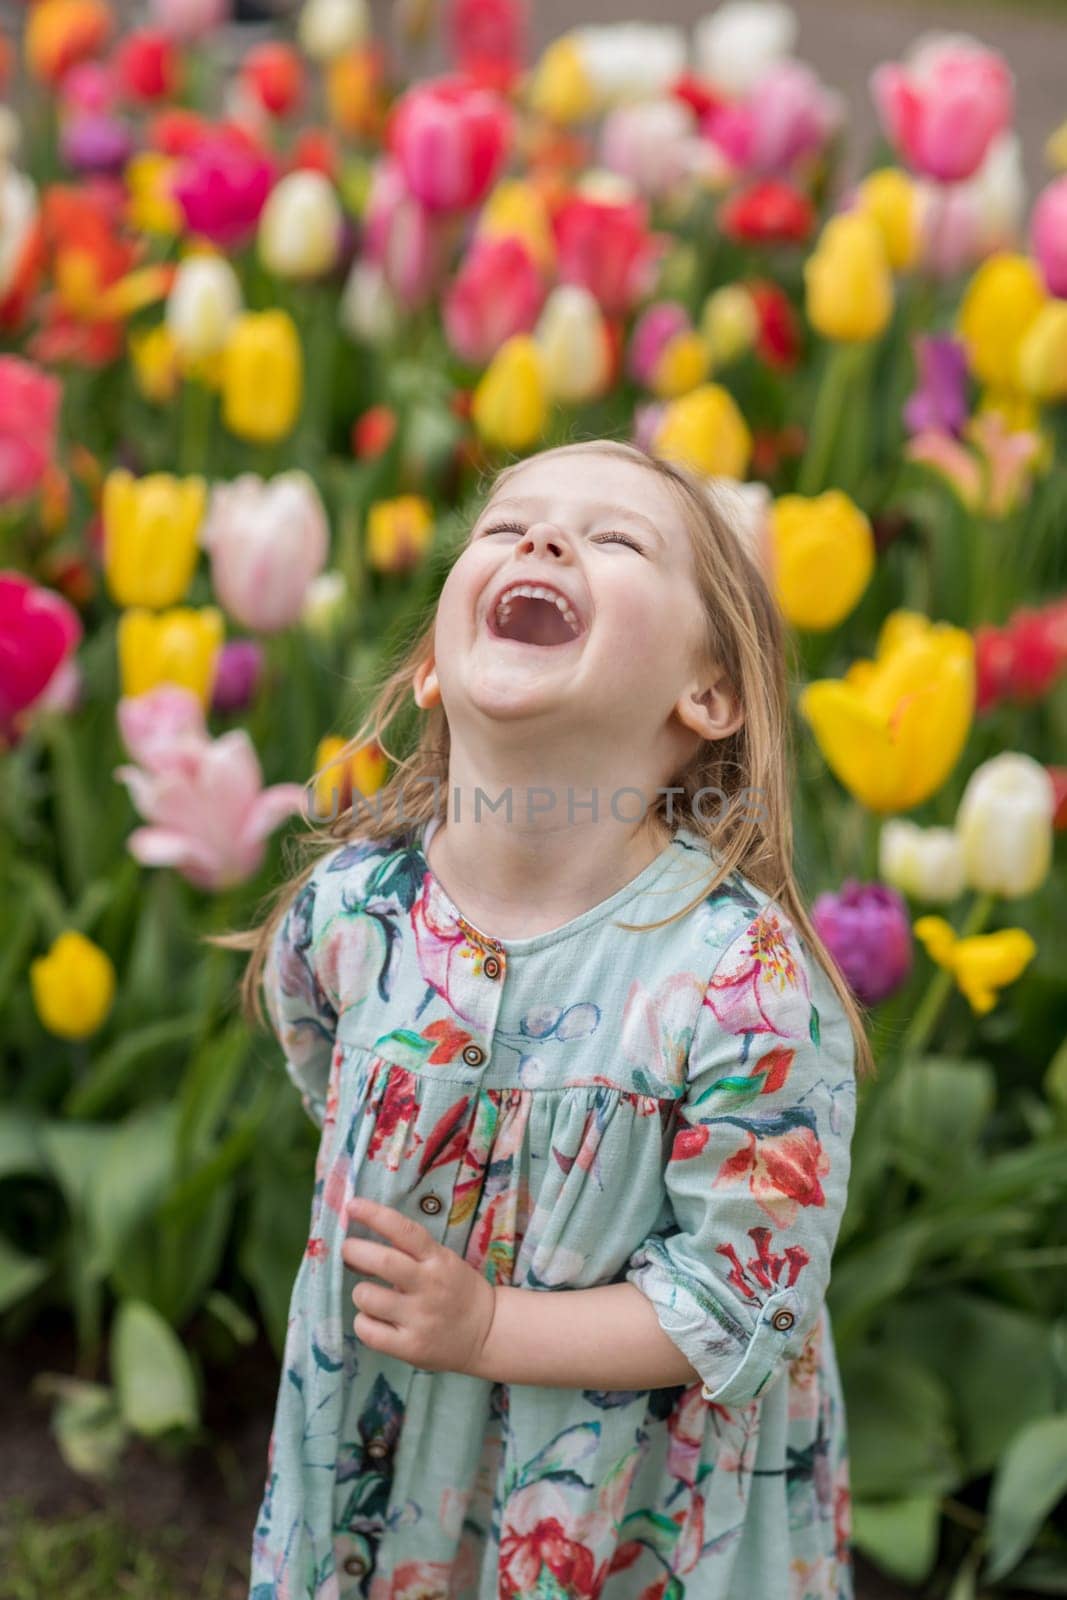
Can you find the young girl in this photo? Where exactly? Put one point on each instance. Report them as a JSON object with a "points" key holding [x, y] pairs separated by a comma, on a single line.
{"points": [[586, 1082]]}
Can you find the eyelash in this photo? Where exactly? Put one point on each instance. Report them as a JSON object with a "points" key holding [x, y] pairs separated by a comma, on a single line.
{"points": [[608, 538]]}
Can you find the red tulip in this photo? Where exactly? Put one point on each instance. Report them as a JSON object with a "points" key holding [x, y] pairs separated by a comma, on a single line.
{"points": [[778, 340], [1059, 792], [605, 246], [488, 40], [39, 631], [497, 292], [29, 411], [769, 212], [451, 139], [148, 66], [1023, 659], [273, 73]]}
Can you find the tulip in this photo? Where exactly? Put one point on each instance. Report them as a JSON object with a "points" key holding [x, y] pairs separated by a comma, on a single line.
{"points": [[730, 323], [487, 39], [1004, 823], [787, 117], [1023, 660], [498, 292], [575, 347], [150, 536], [1049, 233], [178, 647], [891, 199], [96, 141], [940, 401], [189, 20], [1059, 786], [945, 107], [148, 66], [404, 238], [747, 508], [203, 304], [237, 676], [273, 75], [327, 28], [373, 432], [650, 143], [1042, 357], [156, 368], [39, 632], [208, 813], [267, 542], [150, 204], [73, 986], [399, 533], [262, 376], [561, 88], [516, 210], [29, 416], [848, 282], [981, 964], [667, 355], [325, 604], [222, 187], [960, 224], [367, 310], [706, 432], [60, 33], [605, 246], [998, 306], [90, 85], [338, 776], [925, 863], [451, 140], [823, 558], [510, 404], [300, 227], [626, 61], [992, 472], [893, 728], [769, 211], [355, 92], [865, 928], [741, 41]]}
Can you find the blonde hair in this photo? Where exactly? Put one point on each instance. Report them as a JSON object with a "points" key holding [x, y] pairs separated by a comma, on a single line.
{"points": [[746, 638]]}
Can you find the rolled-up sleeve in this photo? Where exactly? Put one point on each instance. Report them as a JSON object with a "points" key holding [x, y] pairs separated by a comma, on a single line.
{"points": [[301, 1012], [758, 1168]]}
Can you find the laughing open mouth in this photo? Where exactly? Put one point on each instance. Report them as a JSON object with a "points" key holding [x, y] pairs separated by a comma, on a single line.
{"points": [[533, 614]]}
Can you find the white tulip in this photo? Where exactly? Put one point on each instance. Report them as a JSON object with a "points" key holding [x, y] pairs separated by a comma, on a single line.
{"points": [[630, 60], [368, 309], [18, 214], [573, 341], [746, 507], [1005, 824], [925, 863], [328, 28], [737, 44], [204, 300], [325, 603], [649, 143], [300, 227]]}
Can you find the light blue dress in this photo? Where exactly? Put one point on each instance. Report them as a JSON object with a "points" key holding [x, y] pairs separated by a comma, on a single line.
{"points": [[670, 1108]]}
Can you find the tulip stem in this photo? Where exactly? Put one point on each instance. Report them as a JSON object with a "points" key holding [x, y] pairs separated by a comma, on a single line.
{"points": [[195, 444], [940, 987], [830, 405]]}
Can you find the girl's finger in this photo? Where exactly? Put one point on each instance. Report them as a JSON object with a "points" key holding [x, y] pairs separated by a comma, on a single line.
{"points": [[364, 1255], [385, 1305], [404, 1232]]}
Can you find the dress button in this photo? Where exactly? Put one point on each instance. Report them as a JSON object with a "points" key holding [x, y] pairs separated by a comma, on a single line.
{"points": [[355, 1566], [431, 1204], [491, 967], [474, 1055], [783, 1321], [378, 1449]]}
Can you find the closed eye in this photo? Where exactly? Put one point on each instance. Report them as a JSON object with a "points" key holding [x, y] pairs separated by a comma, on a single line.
{"points": [[599, 538]]}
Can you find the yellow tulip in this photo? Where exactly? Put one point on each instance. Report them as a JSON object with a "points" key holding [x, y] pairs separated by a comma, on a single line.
{"points": [[516, 209], [179, 646], [73, 986], [151, 533], [981, 964], [1056, 148], [262, 376], [1042, 357], [337, 777], [893, 728], [824, 556], [155, 362], [888, 196], [150, 204], [705, 431], [682, 364], [999, 305], [730, 323], [510, 404], [848, 282], [561, 88], [399, 532]]}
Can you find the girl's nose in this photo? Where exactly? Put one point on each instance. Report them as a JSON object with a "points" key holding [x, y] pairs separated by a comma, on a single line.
{"points": [[546, 538]]}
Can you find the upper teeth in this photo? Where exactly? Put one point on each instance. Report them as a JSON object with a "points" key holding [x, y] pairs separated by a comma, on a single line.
{"points": [[537, 592]]}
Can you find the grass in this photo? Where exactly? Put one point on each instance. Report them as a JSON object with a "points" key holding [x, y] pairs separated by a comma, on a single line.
{"points": [[95, 1556]]}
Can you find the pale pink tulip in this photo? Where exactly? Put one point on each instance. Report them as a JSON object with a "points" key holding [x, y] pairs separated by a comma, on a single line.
{"points": [[651, 142], [268, 541], [403, 238], [1049, 232], [788, 116], [189, 19], [961, 223], [498, 291], [203, 799], [944, 106]]}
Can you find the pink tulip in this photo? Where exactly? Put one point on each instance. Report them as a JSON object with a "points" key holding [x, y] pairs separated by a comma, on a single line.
{"points": [[208, 813], [451, 139], [498, 292], [605, 246], [39, 632], [222, 187], [189, 19], [652, 333], [787, 116], [29, 412], [267, 542], [409, 243], [944, 108], [1049, 233], [90, 86], [654, 143]]}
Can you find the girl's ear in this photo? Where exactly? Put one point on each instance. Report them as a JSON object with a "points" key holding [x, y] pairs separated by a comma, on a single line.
{"points": [[425, 687], [713, 712]]}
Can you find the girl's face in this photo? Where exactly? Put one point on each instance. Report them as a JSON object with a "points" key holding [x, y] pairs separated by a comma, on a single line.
{"points": [[617, 649]]}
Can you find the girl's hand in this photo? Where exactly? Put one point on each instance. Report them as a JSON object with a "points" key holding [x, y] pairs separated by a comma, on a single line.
{"points": [[439, 1310]]}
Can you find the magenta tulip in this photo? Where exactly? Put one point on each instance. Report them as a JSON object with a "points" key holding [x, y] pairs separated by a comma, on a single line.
{"points": [[39, 632], [222, 187], [451, 138], [945, 106], [409, 243], [867, 930], [497, 292], [29, 412], [203, 799], [237, 675], [1049, 234], [267, 542], [653, 331]]}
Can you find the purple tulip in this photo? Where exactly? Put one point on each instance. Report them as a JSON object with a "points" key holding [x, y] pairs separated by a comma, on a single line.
{"points": [[96, 141], [237, 676], [940, 401], [866, 929]]}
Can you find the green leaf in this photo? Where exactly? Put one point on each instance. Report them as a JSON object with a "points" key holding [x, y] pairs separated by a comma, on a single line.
{"points": [[153, 1377], [21, 1154], [19, 1274], [1029, 1481], [935, 1105], [901, 1439], [86, 1422], [130, 1184], [113, 1071], [900, 1536]]}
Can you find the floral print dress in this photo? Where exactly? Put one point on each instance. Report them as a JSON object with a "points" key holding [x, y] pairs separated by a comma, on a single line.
{"points": [[671, 1108]]}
